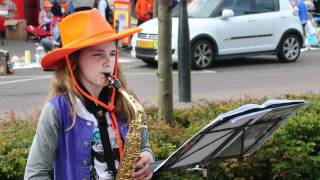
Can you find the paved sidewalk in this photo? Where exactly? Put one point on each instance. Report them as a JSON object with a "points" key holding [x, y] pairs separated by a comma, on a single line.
{"points": [[310, 49], [18, 47]]}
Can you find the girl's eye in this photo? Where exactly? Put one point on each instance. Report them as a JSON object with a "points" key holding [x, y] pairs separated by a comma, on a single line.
{"points": [[103, 54], [97, 54]]}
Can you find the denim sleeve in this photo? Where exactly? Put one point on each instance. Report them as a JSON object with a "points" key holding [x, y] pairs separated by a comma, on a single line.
{"points": [[42, 152], [145, 145]]}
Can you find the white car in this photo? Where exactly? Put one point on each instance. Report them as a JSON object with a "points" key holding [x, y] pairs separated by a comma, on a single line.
{"points": [[228, 28]]}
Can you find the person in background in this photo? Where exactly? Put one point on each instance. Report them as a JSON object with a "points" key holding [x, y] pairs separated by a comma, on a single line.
{"points": [[174, 3], [45, 15], [83, 126], [293, 4], [71, 6], [144, 10], [303, 13], [110, 3], [67, 7], [311, 33], [105, 10], [53, 41], [310, 5], [101, 5], [56, 8], [317, 6]]}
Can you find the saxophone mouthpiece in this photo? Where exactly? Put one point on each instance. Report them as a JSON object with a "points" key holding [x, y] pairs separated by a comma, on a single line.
{"points": [[108, 81], [112, 81]]}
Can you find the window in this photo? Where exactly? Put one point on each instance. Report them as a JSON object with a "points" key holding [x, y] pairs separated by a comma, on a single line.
{"points": [[239, 7], [264, 6], [198, 8]]}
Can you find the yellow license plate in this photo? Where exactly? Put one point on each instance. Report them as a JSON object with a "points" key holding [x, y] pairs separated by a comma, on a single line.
{"points": [[146, 44]]}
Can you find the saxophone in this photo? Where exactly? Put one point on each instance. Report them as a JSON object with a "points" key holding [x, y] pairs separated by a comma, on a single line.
{"points": [[131, 148]]}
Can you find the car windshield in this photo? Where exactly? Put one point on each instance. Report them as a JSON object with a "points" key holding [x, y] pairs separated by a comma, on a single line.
{"points": [[198, 8]]}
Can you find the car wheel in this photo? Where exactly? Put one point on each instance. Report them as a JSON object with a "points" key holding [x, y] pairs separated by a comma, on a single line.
{"points": [[150, 62], [202, 55], [289, 49]]}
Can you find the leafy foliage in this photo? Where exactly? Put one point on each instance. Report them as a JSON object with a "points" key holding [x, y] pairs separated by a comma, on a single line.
{"points": [[292, 153], [16, 136]]}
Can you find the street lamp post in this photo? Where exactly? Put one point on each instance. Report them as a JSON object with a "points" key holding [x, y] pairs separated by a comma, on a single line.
{"points": [[184, 55]]}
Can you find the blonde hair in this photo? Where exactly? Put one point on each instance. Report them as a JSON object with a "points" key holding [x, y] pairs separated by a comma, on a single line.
{"points": [[62, 84], [311, 19]]}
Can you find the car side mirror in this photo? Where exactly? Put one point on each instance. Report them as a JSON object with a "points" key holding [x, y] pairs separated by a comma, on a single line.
{"points": [[227, 13]]}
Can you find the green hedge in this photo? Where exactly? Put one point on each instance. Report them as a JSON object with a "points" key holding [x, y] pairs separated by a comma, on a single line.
{"points": [[292, 153], [16, 136]]}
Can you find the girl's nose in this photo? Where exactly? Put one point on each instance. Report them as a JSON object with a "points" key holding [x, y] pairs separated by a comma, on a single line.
{"points": [[106, 58], [105, 64]]}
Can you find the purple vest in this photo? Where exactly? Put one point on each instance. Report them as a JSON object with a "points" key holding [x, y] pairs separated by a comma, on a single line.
{"points": [[73, 155]]}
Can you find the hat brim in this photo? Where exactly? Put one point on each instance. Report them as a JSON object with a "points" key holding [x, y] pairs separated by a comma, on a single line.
{"points": [[54, 58]]}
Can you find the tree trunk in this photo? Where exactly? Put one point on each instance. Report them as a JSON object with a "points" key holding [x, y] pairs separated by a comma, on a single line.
{"points": [[155, 8], [165, 62]]}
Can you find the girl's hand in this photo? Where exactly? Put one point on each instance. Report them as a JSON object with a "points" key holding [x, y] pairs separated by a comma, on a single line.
{"points": [[144, 170]]}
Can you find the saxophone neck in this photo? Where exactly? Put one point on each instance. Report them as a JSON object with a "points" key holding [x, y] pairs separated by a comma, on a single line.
{"points": [[112, 81], [138, 109]]}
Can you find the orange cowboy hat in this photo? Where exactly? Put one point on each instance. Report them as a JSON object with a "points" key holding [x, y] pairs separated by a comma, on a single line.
{"points": [[47, 4], [80, 30]]}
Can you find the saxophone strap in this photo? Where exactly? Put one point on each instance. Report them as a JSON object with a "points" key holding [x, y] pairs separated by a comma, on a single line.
{"points": [[108, 153]]}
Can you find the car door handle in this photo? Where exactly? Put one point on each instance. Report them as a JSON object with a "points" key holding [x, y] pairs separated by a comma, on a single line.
{"points": [[252, 20], [282, 17]]}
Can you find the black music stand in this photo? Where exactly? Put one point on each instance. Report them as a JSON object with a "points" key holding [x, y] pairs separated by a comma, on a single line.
{"points": [[236, 133]]}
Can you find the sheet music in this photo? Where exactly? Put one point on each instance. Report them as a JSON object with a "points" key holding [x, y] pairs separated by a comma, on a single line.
{"points": [[229, 127]]}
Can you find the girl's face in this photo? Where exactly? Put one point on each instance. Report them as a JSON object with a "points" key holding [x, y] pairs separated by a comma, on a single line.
{"points": [[95, 62]]}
